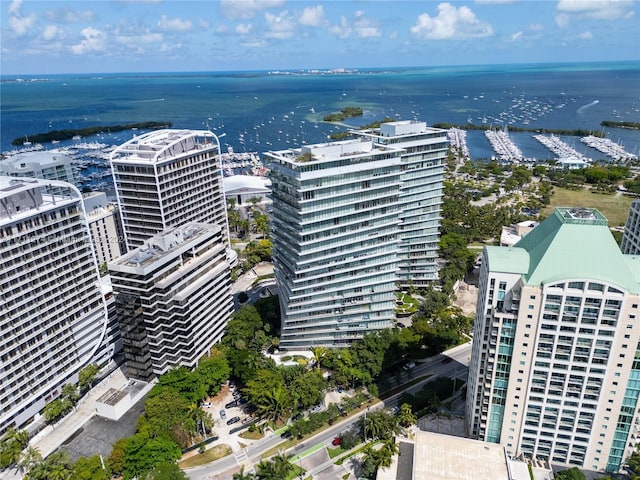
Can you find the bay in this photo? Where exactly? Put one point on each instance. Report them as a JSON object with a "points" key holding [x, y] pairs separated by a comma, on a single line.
{"points": [[260, 111]]}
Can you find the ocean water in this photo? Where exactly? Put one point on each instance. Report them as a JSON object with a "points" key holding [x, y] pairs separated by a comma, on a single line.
{"points": [[257, 111]]}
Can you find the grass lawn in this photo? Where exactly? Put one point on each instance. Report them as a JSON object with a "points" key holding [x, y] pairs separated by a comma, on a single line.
{"points": [[209, 455], [614, 207]]}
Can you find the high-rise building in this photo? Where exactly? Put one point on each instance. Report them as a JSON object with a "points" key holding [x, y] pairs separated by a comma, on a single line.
{"points": [[631, 236], [335, 229], [555, 364], [423, 164], [46, 164], [173, 298], [52, 310], [103, 218], [166, 178]]}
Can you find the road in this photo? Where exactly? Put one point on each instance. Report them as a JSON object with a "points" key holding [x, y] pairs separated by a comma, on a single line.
{"points": [[250, 455]]}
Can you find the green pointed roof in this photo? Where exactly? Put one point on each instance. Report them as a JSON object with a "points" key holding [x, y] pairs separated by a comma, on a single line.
{"points": [[572, 243]]}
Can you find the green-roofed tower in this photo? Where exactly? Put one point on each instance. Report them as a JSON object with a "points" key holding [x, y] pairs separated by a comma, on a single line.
{"points": [[553, 372]]}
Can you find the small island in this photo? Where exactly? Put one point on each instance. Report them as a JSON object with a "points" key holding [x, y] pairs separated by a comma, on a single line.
{"points": [[614, 124], [67, 134], [345, 113]]}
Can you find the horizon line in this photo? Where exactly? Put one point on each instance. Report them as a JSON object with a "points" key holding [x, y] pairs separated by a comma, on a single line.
{"points": [[330, 69]]}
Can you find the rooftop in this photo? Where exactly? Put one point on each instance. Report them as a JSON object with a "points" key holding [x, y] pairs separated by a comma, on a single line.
{"points": [[164, 144], [42, 158], [445, 457], [163, 244], [571, 243]]}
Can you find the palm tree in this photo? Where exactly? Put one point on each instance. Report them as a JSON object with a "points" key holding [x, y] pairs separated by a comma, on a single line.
{"points": [[319, 354], [406, 417], [275, 469], [275, 404], [11, 446], [243, 476], [30, 457]]}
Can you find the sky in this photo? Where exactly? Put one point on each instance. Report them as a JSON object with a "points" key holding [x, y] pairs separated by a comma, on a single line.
{"points": [[50, 37]]}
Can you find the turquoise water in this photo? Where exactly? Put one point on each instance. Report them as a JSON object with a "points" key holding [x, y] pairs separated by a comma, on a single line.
{"points": [[258, 112]]}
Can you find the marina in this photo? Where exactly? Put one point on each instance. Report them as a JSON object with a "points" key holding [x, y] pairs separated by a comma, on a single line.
{"points": [[506, 151], [608, 147], [559, 148]]}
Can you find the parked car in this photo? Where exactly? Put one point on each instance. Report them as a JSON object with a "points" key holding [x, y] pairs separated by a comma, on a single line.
{"points": [[241, 401], [223, 414], [336, 441], [231, 404], [206, 404], [233, 420], [409, 366]]}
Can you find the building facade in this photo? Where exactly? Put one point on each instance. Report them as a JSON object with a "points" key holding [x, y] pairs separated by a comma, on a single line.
{"points": [[335, 230], [173, 298], [166, 178], [103, 218], [555, 364], [631, 237], [423, 164], [52, 310], [48, 165]]}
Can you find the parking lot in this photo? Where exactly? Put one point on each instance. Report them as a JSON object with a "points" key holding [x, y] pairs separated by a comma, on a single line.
{"points": [[228, 410]]}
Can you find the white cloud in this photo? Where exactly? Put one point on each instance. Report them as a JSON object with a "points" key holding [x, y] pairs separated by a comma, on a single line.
{"points": [[451, 22], [313, 17], [342, 30], [366, 28], [243, 9], [52, 32], [596, 9], [94, 41], [67, 15], [279, 26], [516, 36], [243, 28], [585, 35], [535, 27], [562, 20], [173, 24], [139, 38], [18, 23]]}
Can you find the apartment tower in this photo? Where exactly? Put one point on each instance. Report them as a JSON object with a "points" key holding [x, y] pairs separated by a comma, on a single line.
{"points": [[555, 364], [423, 163], [52, 311], [166, 178], [631, 236], [335, 227], [173, 298]]}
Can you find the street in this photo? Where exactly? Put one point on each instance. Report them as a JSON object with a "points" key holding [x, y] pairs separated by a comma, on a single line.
{"points": [[251, 455]]}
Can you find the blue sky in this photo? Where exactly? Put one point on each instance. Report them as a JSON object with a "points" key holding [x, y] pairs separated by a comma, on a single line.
{"points": [[219, 35]]}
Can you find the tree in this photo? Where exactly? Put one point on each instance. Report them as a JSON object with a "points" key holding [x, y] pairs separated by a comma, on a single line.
{"points": [[308, 389], [55, 467], [116, 457], [143, 454], [165, 410], [213, 371], [181, 380], [29, 459], [70, 392], [243, 476], [87, 375], [166, 471], [90, 469], [406, 417], [57, 409], [570, 474], [379, 424], [275, 469], [11, 446]]}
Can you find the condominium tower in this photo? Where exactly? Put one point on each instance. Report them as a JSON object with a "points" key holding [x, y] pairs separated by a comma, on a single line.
{"points": [[423, 163], [335, 228], [166, 178], [631, 236], [555, 364], [173, 298], [52, 311]]}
